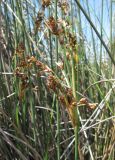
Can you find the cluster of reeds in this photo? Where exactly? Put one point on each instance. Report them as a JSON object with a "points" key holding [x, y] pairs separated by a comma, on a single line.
{"points": [[55, 102]]}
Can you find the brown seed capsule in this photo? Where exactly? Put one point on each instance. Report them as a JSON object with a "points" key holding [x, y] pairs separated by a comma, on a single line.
{"points": [[83, 101], [46, 3], [92, 105]]}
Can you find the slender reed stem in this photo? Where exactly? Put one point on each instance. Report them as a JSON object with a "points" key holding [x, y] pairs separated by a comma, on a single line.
{"points": [[74, 87], [57, 105]]}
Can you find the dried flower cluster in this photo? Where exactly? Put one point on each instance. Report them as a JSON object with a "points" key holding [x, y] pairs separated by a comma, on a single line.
{"points": [[55, 26], [64, 6], [39, 19], [58, 27], [46, 3], [65, 97], [84, 101], [23, 71], [20, 50]]}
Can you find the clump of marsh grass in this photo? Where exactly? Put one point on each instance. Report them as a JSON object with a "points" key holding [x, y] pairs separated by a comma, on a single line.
{"points": [[55, 102]]}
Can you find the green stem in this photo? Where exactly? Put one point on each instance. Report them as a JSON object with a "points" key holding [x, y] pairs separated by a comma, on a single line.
{"points": [[101, 34], [74, 88], [57, 105], [93, 40]]}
